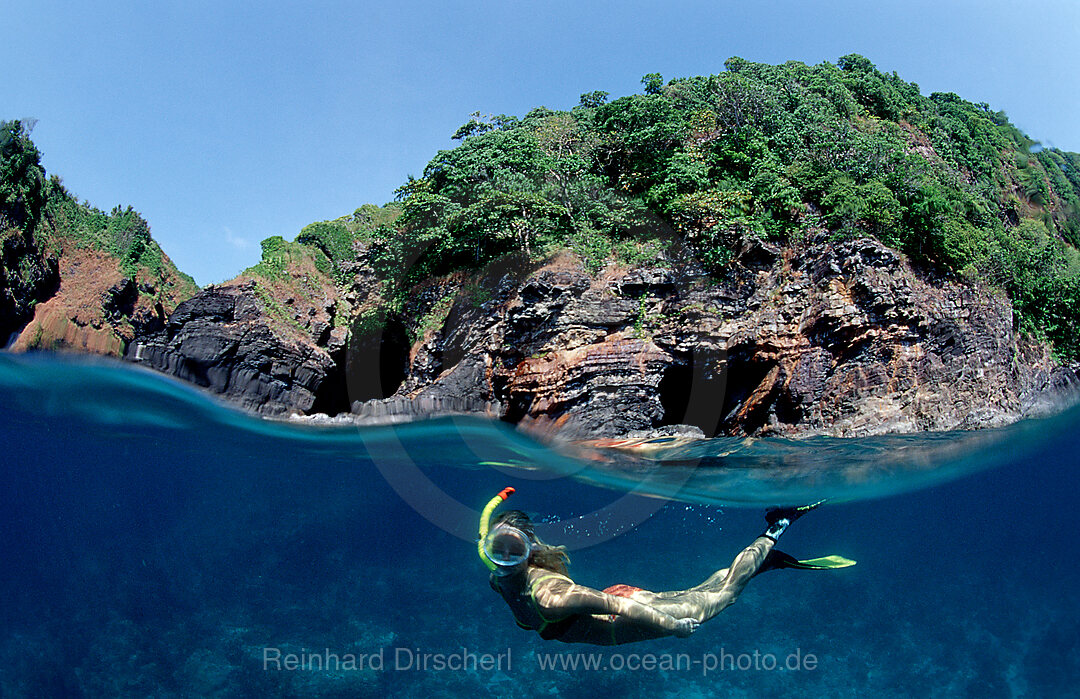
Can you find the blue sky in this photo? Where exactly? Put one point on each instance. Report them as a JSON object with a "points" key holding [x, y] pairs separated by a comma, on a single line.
{"points": [[225, 123]]}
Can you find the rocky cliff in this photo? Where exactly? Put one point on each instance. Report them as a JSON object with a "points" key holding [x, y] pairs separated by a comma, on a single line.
{"points": [[830, 338], [224, 339], [783, 250], [838, 338], [272, 340], [66, 296], [95, 306], [72, 276], [27, 277]]}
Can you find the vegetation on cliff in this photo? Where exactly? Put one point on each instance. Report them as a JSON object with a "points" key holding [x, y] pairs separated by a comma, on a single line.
{"points": [[22, 178], [46, 208], [45, 225], [769, 151]]}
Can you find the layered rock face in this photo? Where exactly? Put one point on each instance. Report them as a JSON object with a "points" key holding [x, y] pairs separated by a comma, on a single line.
{"points": [[837, 338], [227, 340], [827, 338]]}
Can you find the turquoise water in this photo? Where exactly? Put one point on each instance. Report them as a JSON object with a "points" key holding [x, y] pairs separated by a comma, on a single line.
{"points": [[156, 543]]}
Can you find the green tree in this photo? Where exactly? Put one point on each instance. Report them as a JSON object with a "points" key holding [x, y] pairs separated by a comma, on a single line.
{"points": [[567, 157], [22, 177], [593, 99], [653, 82]]}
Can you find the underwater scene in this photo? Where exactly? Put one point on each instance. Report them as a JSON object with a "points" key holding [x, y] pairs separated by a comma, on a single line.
{"points": [[156, 543]]}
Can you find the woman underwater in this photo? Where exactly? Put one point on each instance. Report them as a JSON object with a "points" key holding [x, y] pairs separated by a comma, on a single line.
{"points": [[531, 577]]}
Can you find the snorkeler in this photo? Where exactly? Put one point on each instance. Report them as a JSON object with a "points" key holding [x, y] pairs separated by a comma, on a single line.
{"points": [[531, 577]]}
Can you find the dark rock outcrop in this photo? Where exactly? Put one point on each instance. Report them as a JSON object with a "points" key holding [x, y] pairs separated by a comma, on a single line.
{"points": [[225, 339], [28, 276]]}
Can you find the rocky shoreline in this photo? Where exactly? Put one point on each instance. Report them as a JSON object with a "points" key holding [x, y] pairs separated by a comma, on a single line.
{"points": [[221, 340], [816, 338]]}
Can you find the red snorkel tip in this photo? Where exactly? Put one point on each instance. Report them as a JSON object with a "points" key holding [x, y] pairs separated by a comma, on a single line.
{"points": [[506, 492]]}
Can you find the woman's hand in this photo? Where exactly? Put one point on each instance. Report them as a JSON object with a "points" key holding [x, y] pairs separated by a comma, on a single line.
{"points": [[685, 627]]}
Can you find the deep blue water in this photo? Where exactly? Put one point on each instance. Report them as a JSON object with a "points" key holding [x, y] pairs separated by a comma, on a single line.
{"points": [[155, 543]]}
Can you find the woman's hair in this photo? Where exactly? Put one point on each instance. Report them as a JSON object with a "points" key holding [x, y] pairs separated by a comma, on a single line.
{"points": [[543, 555]]}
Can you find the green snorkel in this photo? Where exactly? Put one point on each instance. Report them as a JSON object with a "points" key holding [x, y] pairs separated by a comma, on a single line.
{"points": [[485, 523]]}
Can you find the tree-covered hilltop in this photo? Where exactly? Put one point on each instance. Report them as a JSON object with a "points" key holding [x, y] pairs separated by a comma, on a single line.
{"points": [[43, 225], [785, 153], [777, 152]]}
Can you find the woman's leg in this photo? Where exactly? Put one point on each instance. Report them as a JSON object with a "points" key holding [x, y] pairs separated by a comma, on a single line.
{"points": [[701, 602], [717, 592], [720, 590]]}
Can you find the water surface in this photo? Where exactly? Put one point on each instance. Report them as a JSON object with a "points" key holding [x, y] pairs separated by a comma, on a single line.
{"points": [[157, 543]]}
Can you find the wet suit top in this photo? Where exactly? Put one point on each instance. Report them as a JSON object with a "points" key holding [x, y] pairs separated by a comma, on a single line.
{"points": [[551, 603]]}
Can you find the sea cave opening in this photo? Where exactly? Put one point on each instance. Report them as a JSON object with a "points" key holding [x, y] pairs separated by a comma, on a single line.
{"points": [[377, 361]]}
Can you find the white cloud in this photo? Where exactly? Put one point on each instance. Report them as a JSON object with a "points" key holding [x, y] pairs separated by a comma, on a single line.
{"points": [[235, 240]]}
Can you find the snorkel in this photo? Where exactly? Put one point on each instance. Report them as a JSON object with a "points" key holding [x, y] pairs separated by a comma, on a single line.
{"points": [[485, 526]]}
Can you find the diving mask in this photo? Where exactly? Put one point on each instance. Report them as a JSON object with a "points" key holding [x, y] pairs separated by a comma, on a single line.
{"points": [[507, 547]]}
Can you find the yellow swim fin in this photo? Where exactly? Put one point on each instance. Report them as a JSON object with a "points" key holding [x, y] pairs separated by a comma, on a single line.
{"points": [[823, 563], [779, 559]]}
